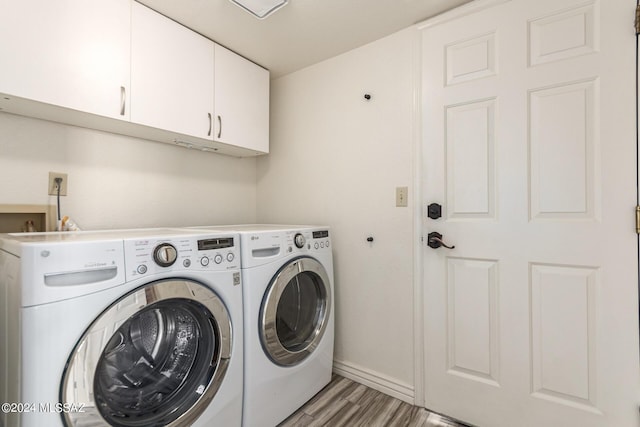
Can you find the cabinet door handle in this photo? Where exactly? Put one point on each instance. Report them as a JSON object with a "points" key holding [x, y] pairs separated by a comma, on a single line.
{"points": [[123, 99], [219, 127], [210, 124]]}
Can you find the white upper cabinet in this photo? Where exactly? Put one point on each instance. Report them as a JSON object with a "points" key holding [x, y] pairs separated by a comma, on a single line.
{"points": [[70, 53], [117, 59], [171, 75], [241, 102]]}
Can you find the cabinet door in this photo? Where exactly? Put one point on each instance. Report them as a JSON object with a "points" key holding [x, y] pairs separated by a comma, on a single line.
{"points": [[70, 53], [171, 75], [241, 102]]}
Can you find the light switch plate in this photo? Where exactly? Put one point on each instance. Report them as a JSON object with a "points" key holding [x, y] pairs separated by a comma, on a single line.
{"points": [[402, 197]]}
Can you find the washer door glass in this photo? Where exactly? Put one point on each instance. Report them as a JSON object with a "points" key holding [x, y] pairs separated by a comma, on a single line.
{"points": [[161, 365], [154, 364], [295, 311]]}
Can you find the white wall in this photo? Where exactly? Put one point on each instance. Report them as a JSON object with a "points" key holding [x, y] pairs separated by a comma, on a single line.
{"points": [[336, 159], [119, 182]]}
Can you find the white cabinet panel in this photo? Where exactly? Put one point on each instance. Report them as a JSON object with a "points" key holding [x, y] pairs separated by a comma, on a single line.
{"points": [[171, 75], [241, 101], [70, 53], [85, 62]]}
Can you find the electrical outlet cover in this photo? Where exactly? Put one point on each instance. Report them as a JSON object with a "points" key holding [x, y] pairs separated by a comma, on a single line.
{"points": [[53, 190]]}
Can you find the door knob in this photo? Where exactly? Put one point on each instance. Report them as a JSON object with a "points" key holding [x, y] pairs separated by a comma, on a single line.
{"points": [[434, 240]]}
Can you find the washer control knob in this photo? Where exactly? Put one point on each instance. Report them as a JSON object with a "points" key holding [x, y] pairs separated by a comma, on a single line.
{"points": [[217, 259], [299, 240], [165, 254], [230, 256], [187, 263], [142, 269], [204, 261]]}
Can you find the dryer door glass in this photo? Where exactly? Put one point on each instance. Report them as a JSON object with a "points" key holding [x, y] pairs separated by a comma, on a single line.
{"points": [[295, 311], [162, 364], [299, 309]]}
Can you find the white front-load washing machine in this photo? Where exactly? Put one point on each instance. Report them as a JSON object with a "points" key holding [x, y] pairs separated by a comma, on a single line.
{"points": [[122, 328], [288, 317]]}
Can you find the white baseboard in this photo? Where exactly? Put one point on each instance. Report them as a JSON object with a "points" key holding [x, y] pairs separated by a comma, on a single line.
{"points": [[376, 381]]}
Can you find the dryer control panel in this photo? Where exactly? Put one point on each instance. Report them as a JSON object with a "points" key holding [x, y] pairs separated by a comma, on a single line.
{"points": [[146, 256], [262, 247], [307, 240]]}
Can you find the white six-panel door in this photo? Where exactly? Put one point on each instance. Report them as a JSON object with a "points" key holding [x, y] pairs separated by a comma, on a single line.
{"points": [[529, 146]]}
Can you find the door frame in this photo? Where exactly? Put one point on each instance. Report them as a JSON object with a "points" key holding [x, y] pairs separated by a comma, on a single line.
{"points": [[638, 144]]}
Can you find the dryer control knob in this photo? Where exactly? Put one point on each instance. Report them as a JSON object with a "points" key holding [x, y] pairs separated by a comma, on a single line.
{"points": [[165, 254], [299, 240]]}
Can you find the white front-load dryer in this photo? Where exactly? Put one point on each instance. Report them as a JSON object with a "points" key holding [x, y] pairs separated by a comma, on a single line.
{"points": [[121, 328], [288, 317]]}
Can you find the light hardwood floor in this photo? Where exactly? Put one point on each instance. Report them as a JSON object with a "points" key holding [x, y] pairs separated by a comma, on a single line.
{"points": [[347, 403]]}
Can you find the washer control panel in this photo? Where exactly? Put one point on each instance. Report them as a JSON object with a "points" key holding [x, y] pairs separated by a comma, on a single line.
{"points": [[146, 256]]}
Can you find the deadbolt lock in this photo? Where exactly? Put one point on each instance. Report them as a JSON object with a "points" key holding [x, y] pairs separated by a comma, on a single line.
{"points": [[434, 211]]}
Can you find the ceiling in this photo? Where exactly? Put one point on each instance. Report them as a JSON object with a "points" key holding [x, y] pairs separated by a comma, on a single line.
{"points": [[303, 32]]}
